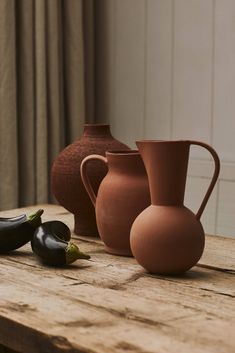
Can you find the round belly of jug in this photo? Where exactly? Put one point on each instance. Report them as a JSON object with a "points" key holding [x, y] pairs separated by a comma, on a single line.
{"points": [[167, 240], [118, 204]]}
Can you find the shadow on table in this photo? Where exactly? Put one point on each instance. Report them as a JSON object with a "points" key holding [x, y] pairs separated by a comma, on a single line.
{"points": [[24, 254], [193, 274], [17, 253]]}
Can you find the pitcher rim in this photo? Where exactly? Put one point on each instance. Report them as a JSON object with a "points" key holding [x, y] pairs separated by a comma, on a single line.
{"points": [[162, 141]]}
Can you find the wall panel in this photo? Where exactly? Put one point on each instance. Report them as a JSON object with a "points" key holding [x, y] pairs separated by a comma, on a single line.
{"points": [[129, 69], [226, 209], [158, 69], [195, 191], [193, 24], [224, 82]]}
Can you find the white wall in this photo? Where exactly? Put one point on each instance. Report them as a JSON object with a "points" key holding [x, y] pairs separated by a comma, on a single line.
{"points": [[167, 71]]}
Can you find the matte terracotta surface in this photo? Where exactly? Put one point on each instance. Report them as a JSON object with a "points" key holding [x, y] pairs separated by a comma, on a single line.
{"points": [[167, 238], [66, 181], [123, 194]]}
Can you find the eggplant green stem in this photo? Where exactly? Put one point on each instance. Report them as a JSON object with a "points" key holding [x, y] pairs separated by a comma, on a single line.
{"points": [[73, 253], [35, 219]]}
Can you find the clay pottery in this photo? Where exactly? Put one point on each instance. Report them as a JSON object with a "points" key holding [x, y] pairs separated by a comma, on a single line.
{"points": [[167, 238], [66, 181], [122, 195]]}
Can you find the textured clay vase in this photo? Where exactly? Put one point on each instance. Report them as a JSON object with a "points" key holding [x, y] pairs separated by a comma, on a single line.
{"points": [[66, 181], [122, 195], [167, 238]]}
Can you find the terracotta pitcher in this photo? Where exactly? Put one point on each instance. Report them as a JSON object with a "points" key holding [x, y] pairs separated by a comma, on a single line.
{"points": [[122, 195], [168, 238]]}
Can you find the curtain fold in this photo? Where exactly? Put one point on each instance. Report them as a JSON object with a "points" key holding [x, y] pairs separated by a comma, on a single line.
{"points": [[8, 107], [42, 93], [24, 21]]}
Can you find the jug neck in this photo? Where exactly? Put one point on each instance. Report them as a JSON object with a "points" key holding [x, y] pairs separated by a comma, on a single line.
{"points": [[125, 162], [96, 130], [166, 163]]}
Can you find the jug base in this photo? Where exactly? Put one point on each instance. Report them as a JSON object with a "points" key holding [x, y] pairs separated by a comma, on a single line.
{"points": [[119, 252]]}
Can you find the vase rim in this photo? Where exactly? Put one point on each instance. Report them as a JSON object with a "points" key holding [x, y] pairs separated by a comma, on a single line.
{"points": [[97, 130]]}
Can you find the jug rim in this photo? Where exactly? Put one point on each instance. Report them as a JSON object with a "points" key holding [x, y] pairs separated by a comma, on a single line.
{"points": [[122, 152]]}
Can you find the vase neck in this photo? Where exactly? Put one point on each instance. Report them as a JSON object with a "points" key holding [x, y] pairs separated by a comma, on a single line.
{"points": [[125, 162], [166, 163], [96, 130]]}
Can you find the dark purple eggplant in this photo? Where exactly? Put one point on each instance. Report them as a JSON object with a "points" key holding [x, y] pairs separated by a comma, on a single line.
{"points": [[17, 231], [51, 244]]}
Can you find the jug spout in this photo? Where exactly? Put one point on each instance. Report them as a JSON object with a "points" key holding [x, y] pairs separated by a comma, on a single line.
{"points": [[166, 164]]}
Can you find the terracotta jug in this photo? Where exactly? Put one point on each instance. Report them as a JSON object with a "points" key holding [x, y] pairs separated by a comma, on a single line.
{"points": [[168, 238], [122, 195], [66, 181]]}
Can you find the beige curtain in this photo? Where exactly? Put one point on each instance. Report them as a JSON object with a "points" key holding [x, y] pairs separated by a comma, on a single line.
{"points": [[42, 93]]}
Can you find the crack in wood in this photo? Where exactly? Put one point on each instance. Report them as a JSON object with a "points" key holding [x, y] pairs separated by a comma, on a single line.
{"points": [[215, 268], [124, 315], [26, 264], [70, 277], [75, 284], [91, 241], [121, 285], [178, 318], [128, 347], [188, 285], [85, 323], [62, 343], [18, 307], [217, 292]]}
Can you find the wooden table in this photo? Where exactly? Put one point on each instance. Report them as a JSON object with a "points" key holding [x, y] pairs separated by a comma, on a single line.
{"points": [[110, 304]]}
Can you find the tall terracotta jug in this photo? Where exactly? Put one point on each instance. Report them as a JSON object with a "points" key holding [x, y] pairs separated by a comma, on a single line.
{"points": [[122, 195], [66, 182], [168, 238]]}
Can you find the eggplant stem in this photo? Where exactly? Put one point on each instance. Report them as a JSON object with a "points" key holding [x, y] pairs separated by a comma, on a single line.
{"points": [[73, 253], [35, 218]]}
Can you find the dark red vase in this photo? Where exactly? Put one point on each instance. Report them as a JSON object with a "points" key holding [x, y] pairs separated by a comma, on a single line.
{"points": [[66, 181]]}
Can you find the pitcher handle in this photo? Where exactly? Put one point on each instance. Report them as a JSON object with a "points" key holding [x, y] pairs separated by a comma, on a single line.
{"points": [[214, 178], [85, 178]]}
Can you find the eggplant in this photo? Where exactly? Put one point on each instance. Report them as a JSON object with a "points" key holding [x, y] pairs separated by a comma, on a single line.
{"points": [[51, 244], [17, 231]]}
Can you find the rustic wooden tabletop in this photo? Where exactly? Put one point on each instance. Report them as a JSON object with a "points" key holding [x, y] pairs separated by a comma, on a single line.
{"points": [[110, 304]]}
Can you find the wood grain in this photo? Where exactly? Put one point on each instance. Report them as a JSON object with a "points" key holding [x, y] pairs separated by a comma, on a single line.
{"points": [[110, 304]]}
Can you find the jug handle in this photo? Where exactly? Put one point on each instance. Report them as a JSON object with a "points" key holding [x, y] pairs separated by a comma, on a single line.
{"points": [[214, 178], [85, 178]]}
